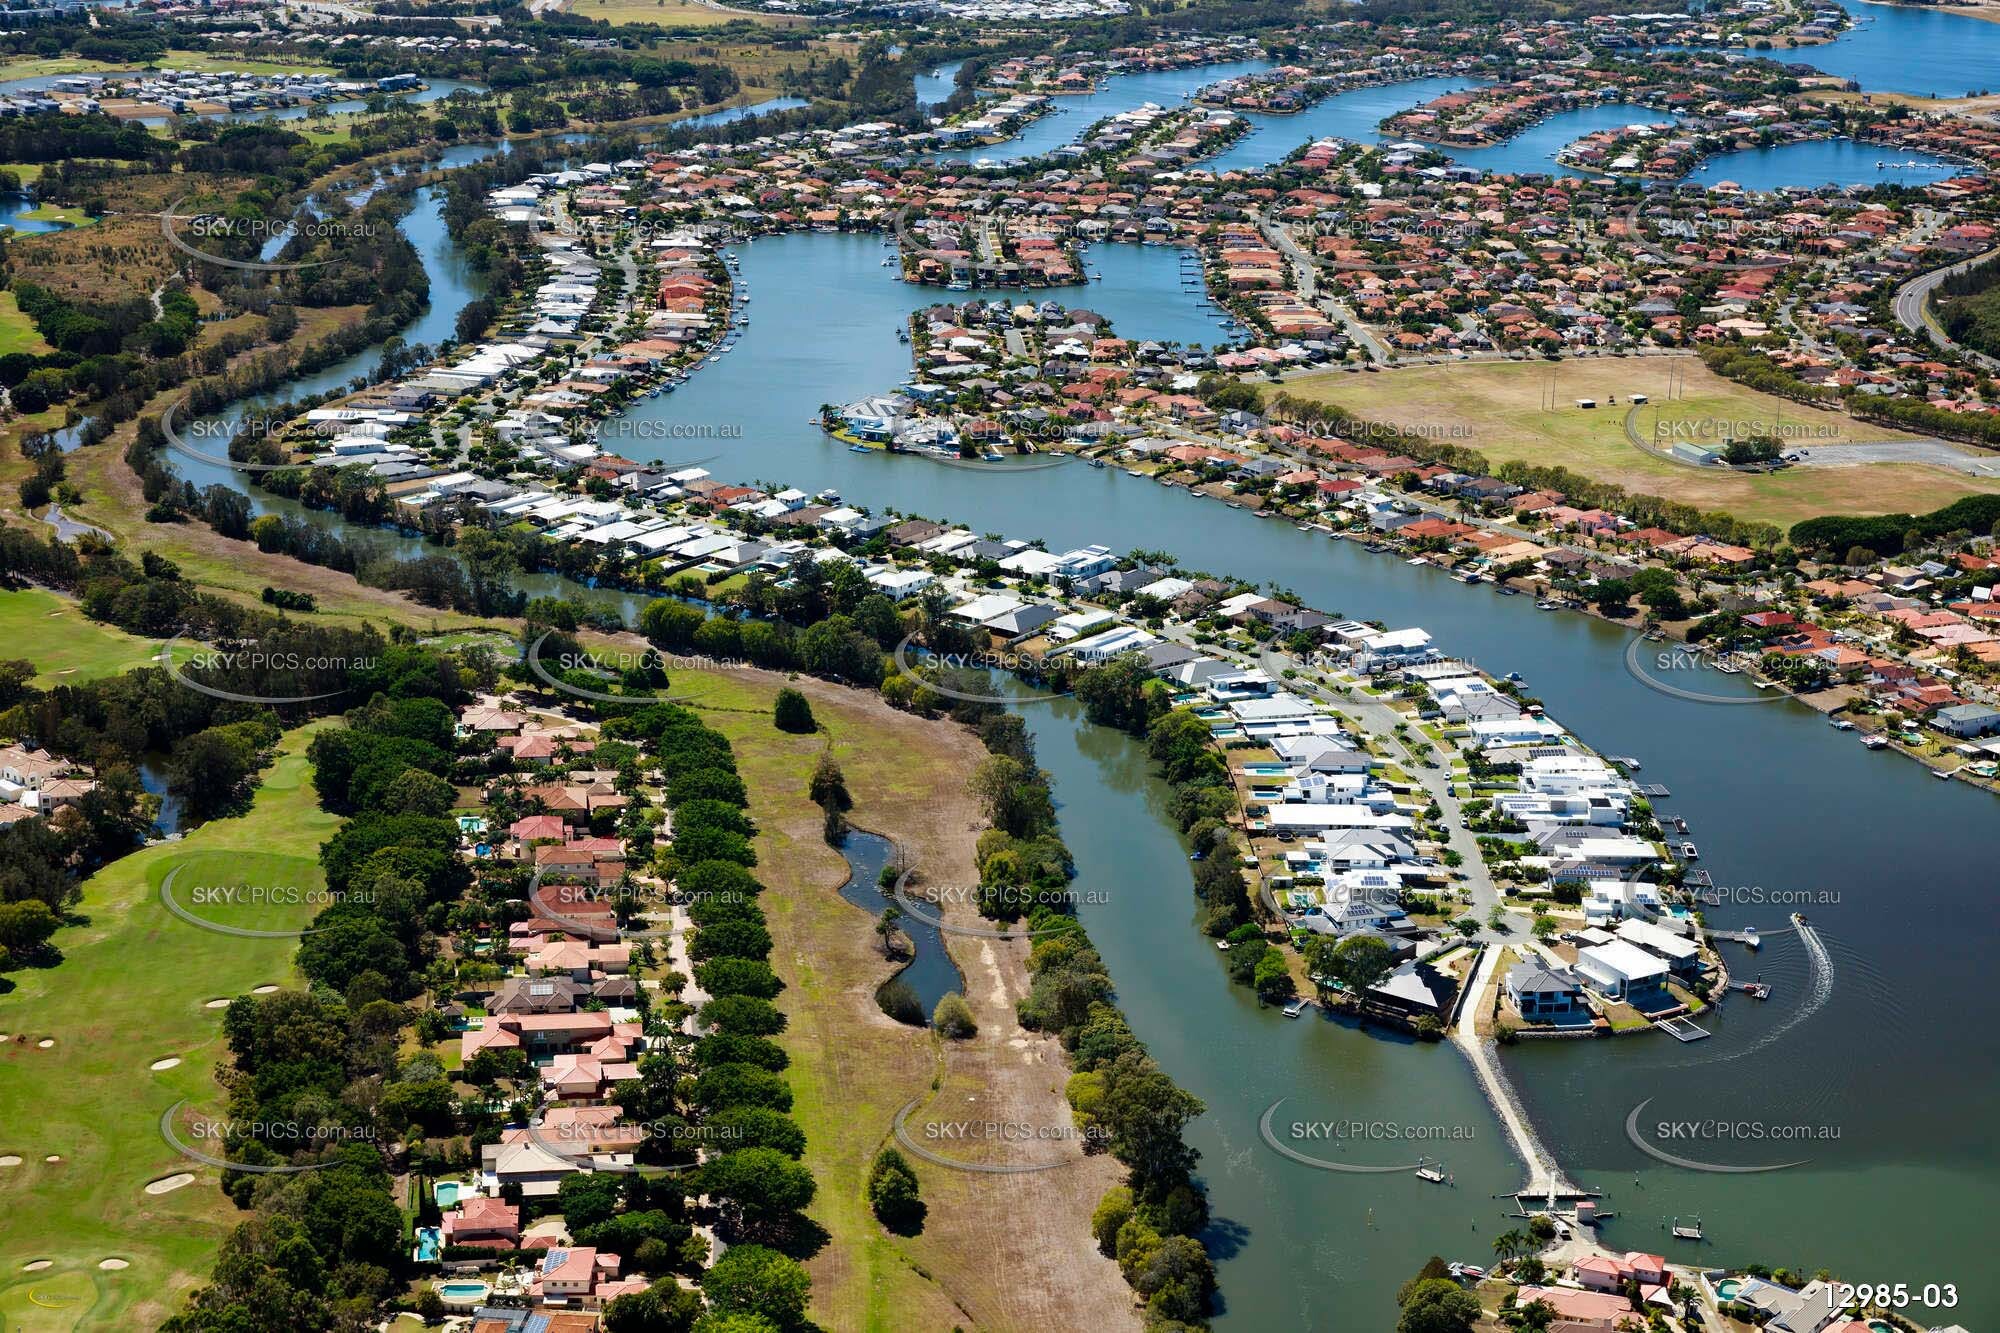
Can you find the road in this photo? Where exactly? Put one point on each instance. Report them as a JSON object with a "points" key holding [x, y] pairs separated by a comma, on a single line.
{"points": [[1305, 273], [1913, 310]]}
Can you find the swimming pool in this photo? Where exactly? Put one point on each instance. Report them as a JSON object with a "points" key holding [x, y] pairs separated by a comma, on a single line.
{"points": [[1726, 1289], [449, 1192], [463, 1295], [428, 1241]]}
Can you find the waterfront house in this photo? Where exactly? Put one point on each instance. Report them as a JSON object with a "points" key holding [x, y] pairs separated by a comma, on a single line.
{"points": [[1623, 971], [1415, 990], [1541, 995], [1681, 954]]}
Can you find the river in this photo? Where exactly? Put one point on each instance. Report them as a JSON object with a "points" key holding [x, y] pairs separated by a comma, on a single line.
{"points": [[1899, 1055]]}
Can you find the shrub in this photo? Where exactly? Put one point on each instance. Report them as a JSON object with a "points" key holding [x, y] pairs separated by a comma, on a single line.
{"points": [[900, 1003], [953, 1017], [792, 713]]}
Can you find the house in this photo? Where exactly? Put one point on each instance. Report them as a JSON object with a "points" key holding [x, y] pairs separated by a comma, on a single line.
{"points": [[1681, 954], [479, 1220], [1967, 720], [1623, 971], [1541, 995]]}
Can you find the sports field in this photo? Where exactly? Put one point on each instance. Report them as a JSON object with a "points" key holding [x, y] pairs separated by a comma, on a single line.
{"points": [[1503, 410], [132, 991]]}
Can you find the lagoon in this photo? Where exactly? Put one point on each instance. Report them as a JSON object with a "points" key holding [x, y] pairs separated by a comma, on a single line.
{"points": [[1824, 162]]}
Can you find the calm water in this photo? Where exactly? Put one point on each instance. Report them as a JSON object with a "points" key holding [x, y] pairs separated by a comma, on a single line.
{"points": [[1824, 162], [939, 84], [1120, 93], [439, 88], [1928, 52], [1774, 797], [930, 971], [732, 114], [1535, 148], [12, 206], [1350, 115]]}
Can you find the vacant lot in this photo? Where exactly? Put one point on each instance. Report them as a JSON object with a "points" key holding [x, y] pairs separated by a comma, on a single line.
{"points": [[66, 648], [131, 990], [1502, 411]]}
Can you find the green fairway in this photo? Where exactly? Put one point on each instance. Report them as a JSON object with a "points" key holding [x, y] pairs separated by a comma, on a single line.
{"points": [[132, 989], [66, 648], [17, 331]]}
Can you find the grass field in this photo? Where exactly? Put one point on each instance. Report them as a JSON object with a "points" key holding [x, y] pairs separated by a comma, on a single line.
{"points": [[853, 1068], [66, 648], [17, 331], [200, 61], [130, 990], [1498, 409]]}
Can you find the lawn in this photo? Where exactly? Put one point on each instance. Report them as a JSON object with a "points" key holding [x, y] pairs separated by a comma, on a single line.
{"points": [[132, 989], [1497, 409], [17, 331], [66, 648]]}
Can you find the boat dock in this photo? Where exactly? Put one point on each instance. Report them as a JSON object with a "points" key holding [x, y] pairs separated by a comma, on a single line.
{"points": [[1682, 1029]]}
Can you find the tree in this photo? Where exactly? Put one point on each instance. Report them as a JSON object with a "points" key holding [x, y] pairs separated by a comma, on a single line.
{"points": [[1361, 962], [1544, 926], [760, 1187], [893, 1194], [953, 1016], [1438, 1305], [829, 786], [792, 713], [665, 1307], [753, 1280], [1113, 1211]]}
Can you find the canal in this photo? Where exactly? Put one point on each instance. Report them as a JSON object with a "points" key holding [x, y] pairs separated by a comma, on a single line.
{"points": [[1898, 1054]]}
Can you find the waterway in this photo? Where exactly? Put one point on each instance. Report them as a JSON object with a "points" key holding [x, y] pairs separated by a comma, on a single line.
{"points": [[1349, 115], [12, 206], [1897, 49], [1898, 1055], [1838, 162], [930, 971], [939, 84], [1120, 93]]}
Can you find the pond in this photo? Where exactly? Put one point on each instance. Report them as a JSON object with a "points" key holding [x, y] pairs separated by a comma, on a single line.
{"points": [[930, 971]]}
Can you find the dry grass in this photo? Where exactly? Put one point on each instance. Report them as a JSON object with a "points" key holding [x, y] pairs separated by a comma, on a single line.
{"points": [[998, 1251], [676, 13], [1496, 408]]}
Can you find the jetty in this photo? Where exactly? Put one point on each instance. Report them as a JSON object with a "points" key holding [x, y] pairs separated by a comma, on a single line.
{"points": [[1545, 1178]]}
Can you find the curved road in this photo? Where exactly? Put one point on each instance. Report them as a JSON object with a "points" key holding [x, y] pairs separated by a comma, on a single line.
{"points": [[1913, 310]]}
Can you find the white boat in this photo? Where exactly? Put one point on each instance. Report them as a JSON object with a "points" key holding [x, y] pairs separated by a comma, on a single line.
{"points": [[1416, 560], [1840, 724], [1222, 945], [1751, 939], [1688, 852], [1875, 742], [1296, 1007]]}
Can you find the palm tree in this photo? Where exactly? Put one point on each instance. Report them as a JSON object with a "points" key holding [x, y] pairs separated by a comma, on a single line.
{"points": [[1508, 1245]]}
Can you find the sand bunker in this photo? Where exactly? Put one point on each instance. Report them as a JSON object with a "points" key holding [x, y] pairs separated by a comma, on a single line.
{"points": [[113, 1265], [167, 1184], [53, 1157], [37, 1265], [167, 1063], [264, 990], [46, 1042], [222, 1003], [10, 1160]]}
